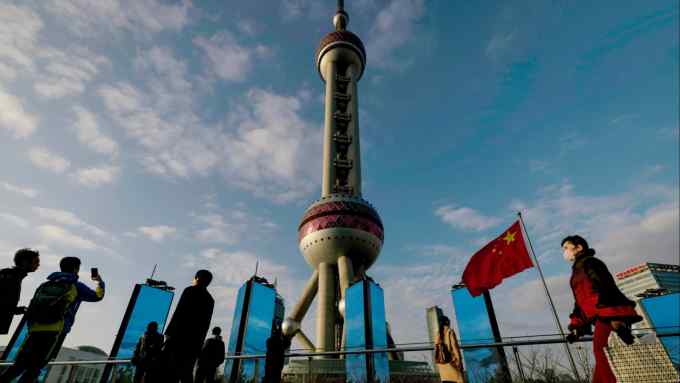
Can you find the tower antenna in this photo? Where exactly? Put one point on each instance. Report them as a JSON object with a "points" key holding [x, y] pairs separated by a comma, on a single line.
{"points": [[154, 271], [257, 265]]}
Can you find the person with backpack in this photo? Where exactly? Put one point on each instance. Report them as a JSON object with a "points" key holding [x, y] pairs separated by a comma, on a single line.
{"points": [[211, 357], [187, 329], [447, 354], [25, 261], [50, 316], [146, 355]]}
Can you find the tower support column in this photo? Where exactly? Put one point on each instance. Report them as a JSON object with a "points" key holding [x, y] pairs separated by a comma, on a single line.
{"points": [[346, 275], [326, 315]]}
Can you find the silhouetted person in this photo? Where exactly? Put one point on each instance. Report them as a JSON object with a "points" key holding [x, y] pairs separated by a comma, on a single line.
{"points": [[447, 354], [147, 354], [188, 328], [25, 261], [211, 357], [277, 344], [50, 316], [598, 301]]}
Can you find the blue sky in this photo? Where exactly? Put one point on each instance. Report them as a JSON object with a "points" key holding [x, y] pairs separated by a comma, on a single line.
{"points": [[188, 134]]}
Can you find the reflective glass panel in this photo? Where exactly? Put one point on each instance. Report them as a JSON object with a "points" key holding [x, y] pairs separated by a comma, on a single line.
{"points": [[258, 330], [481, 365], [381, 373], [233, 335], [152, 304], [664, 315], [355, 364]]}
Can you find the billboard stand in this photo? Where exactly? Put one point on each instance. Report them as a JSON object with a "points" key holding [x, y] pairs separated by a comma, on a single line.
{"points": [[497, 336]]}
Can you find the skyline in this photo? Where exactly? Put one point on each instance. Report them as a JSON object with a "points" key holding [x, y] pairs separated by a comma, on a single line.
{"points": [[188, 134]]}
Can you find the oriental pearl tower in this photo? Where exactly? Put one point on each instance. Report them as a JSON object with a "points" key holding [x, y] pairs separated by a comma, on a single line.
{"points": [[341, 234]]}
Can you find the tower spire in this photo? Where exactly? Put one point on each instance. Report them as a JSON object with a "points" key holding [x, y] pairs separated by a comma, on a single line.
{"points": [[341, 18]]}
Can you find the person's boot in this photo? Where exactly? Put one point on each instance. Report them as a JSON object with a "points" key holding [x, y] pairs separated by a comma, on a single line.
{"points": [[625, 334]]}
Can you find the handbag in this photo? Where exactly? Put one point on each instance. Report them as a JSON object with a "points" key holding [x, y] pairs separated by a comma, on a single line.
{"points": [[641, 361]]}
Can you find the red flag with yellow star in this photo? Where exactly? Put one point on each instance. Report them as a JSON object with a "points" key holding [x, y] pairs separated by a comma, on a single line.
{"points": [[501, 258]]}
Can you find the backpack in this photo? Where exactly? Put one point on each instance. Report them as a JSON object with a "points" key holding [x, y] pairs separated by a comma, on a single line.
{"points": [[50, 302]]}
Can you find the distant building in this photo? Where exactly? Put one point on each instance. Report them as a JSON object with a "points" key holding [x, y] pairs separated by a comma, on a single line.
{"points": [[76, 373], [648, 278]]}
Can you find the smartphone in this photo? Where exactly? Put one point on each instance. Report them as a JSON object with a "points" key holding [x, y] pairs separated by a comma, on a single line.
{"points": [[94, 273]]}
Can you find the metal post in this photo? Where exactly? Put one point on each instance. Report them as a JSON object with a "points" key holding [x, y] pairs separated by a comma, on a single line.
{"points": [[518, 360], [550, 301], [496, 335]]}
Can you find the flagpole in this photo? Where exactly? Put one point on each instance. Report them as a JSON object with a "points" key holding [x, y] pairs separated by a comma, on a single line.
{"points": [[552, 305]]}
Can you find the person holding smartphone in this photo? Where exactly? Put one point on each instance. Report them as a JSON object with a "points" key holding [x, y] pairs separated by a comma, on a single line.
{"points": [[50, 316]]}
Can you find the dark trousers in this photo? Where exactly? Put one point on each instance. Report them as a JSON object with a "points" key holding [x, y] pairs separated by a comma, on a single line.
{"points": [[205, 374], [603, 373], [179, 368], [32, 357]]}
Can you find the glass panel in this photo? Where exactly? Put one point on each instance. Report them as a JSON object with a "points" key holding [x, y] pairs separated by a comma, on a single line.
{"points": [[355, 364], [152, 304], [233, 335], [258, 330], [381, 373], [664, 314], [481, 365]]}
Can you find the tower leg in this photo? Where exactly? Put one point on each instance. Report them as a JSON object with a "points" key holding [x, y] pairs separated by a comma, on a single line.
{"points": [[346, 274], [325, 320]]}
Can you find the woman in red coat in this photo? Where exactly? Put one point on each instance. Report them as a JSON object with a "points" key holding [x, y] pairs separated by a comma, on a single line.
{"points": [[598, 301]]}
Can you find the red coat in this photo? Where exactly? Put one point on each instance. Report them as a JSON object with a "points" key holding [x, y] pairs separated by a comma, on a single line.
{"points": [[596, 294]]}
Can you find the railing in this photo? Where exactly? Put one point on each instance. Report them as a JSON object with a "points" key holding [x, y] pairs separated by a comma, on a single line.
{"points": [[424, 347]]}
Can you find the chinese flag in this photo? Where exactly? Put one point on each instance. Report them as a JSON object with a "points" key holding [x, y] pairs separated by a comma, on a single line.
{"points": [[501, 258]]}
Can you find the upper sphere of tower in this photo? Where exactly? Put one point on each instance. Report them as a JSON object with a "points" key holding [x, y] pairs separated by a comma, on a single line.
{"points": [[344, 39]]}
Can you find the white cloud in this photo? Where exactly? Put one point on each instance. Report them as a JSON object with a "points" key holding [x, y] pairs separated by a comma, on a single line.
{"points": [[14, 118], [60, 236], [19, 29], [67, 218], [44, 159], [157, 233], [230, 228], [66, 72], [85, 17], [24, 191], [228, 59], [466, 218], [15, 220], [89, 134], [96, 176], [394, 27], [273, 147]]}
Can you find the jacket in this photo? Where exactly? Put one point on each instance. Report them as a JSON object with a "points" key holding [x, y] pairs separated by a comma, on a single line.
{"points": [[79, 293], [596, 295], [148, 349], [212, 354], [10, 286], [190, 322], [452, 371]]}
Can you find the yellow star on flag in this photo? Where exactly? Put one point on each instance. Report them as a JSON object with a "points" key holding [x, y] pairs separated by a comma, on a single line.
{"points": [[509, 237]]}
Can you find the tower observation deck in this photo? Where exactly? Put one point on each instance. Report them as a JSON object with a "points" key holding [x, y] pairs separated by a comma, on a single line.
{"points": [[341, 234]]}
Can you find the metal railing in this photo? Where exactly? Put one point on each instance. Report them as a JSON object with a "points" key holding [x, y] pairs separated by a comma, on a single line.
{"points": [[424, 347]]}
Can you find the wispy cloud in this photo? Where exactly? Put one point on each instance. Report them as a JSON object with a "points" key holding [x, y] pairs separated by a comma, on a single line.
{"points": [[68, 218], [86, 17], [14, 117], [229, 60], [19, 28], [44, 159], [157, 233], [15, 220], [22, 190], [63, 237], [498, 45], [89, 134], [395, 26], [466, 218], [93, 177], [65, 73]]}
